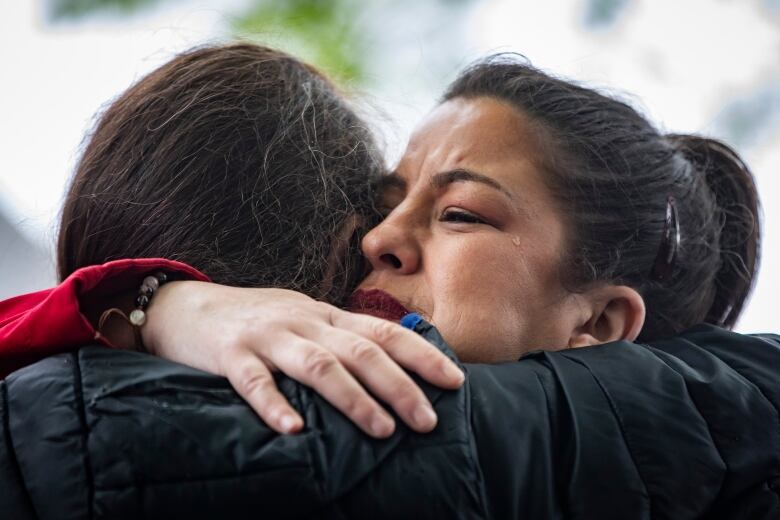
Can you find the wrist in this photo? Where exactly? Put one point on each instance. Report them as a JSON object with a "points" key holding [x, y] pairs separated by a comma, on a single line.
{"points": [[152, 329], [121, 324]]}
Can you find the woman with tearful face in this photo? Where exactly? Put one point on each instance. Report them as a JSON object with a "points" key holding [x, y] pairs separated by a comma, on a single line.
{"points": [[474, 241], [527, 213]]}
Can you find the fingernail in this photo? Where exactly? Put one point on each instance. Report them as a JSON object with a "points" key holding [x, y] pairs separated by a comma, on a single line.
{"points": [[381, 427], [451, 371], [424, 417], [288, 423]]}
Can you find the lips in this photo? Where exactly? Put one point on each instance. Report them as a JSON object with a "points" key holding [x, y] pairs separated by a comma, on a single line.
{"points": [[376, 303]]}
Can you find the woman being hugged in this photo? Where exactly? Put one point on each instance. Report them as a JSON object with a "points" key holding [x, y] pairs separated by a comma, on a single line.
{"points": [[243, 165]]}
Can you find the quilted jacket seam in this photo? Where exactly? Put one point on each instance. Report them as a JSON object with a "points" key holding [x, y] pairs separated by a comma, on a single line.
{"points": [[11, 451], [304, 403], [82, 414], [622, 428], [472, 451]]}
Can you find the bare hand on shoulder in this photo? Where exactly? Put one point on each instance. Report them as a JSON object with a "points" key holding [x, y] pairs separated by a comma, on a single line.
{"points": [[246, 334]]}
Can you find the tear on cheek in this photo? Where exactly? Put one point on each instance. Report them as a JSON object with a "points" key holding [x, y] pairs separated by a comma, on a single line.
{"points": [[516, 240]]}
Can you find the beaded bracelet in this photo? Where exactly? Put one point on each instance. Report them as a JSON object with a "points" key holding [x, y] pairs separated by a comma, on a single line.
{"points": [[145, 293], [137, 316]]}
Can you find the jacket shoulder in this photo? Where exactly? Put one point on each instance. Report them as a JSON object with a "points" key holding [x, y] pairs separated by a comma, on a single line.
{"points": [[703, 407], [681, 428], [45, 440]]}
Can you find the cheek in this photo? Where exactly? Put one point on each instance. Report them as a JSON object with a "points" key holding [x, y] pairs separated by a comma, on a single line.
{"points": [[473, 268], [478, 299], [496, 301]]}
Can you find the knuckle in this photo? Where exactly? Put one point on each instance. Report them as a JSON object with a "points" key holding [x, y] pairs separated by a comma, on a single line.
{"points": [[233, 340], [320, 363], [443, 363], [360, 409], [383, 331], [430, 357], [327, 312], [405, 393], [321, 307], [364, 352], [252, 381], [296, 312], [268, 327]]}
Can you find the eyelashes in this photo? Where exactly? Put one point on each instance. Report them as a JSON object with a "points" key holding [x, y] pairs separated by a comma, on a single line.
{"points": [[452, 215], [457, 216]]}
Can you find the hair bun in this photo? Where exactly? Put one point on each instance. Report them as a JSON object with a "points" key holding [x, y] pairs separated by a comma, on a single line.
{"points": [[733, 188]]}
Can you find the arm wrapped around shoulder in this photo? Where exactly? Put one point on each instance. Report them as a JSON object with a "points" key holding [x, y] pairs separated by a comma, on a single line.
{"points": [[102, 433], [683, 428]]}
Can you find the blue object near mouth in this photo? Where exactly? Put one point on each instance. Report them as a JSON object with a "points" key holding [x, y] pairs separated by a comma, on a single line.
{"points": [[411, 320]]}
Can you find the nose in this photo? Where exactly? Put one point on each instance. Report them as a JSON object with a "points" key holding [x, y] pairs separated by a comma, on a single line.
{"points": [[391, 246]]}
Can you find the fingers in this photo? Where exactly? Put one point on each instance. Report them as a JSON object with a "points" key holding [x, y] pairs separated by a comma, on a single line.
{"points": [[383, 377], [254, 382], [309, 363], [404, 346]]}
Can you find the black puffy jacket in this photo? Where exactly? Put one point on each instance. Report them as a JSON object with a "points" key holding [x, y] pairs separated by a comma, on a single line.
{"points": [[684, 428]]}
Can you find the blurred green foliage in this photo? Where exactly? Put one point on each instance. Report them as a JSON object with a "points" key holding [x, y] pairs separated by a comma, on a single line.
{"points": [[64, 9], [332, 34], [324, 32]]}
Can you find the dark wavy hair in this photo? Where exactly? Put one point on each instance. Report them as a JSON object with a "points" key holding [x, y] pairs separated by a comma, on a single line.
{"points": [[237, 159], [613, 174]]}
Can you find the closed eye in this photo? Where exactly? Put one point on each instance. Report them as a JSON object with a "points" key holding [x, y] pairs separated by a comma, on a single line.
{"points": [[452, 215]]}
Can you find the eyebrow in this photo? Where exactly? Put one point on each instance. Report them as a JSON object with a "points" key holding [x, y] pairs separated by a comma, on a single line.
{"points": [[442, 179], [462, 175]]}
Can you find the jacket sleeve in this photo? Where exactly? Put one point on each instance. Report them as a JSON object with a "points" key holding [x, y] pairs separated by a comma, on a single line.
{"points": [[36, 325], [679, 430], [168, 441], [14, 499]]}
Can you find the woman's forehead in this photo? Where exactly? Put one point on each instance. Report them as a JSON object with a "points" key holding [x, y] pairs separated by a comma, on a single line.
{"points": [[480, 134]]}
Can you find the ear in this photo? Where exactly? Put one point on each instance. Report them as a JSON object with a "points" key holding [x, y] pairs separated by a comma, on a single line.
{"points": [[613, 312]]}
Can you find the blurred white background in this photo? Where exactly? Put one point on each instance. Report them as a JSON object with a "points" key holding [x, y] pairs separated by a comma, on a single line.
{"points": [[694, 66]]}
